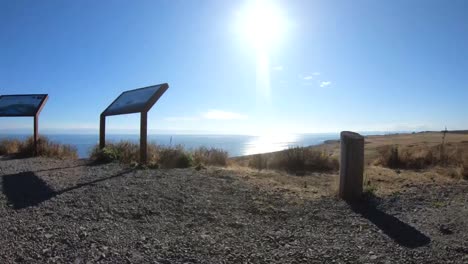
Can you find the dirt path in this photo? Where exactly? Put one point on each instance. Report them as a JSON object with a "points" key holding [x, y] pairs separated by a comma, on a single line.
{"points": [[68, 212]]}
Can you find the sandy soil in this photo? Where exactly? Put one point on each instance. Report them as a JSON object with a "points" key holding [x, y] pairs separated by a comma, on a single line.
{"points": [[54, 211]]}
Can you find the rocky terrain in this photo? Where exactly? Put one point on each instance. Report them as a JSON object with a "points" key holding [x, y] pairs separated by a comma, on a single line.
{"points": [[59, 211]]}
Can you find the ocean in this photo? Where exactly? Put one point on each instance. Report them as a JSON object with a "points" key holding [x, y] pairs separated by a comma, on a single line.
{"points": [[235, 145]]}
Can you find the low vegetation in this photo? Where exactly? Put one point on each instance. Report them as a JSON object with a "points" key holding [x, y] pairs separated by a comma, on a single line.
{"points": [[210, 156], [368, 187], [45, 148], [295, 160], [417, 157], [160, 156]]}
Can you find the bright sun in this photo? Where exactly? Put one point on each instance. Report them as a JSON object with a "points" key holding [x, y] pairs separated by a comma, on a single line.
{"points": [[261, 23]]}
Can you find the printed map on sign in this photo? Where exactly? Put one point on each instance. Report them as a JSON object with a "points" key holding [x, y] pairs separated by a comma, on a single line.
{"points": [[20, 105], [132, 101]]}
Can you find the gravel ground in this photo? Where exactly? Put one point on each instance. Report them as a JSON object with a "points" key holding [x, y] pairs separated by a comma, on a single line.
{"points": [[55, 211]]}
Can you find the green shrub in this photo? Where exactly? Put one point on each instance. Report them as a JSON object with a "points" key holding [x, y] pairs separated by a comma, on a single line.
{"points": [[129, 152], [107, 154], [368, 188], [174, 157]]}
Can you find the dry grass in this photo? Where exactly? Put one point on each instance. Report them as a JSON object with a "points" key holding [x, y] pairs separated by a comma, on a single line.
{"points": [[159, 156], [210, 156], [45, 148], [296, 160], [299, 160], [295, 188], [9, 146], [420, 157], [420, 150]]}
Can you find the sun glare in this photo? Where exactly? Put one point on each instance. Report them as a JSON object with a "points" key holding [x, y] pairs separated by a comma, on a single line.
{"points": [[261, 23]]}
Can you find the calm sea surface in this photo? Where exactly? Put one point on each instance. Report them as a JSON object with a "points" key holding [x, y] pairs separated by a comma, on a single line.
{"points": [[235, 145]]}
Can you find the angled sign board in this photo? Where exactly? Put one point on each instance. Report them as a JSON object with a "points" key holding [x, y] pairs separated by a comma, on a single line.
{"points": [[24, 105], [133, 101], [136, 101]]}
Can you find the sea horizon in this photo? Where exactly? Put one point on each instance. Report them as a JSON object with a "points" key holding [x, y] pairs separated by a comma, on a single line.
{"points": [[234, 144]]}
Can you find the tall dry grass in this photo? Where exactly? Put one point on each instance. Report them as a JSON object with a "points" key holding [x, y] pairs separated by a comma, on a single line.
{"points": [[45, 148], [210, 156], [295, 160], [417, 157], [159, 156], [9, 146]]}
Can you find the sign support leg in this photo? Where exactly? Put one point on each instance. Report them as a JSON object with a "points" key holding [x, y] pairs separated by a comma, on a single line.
{"points": [[143, 137], [36, 133], [102, 132]]}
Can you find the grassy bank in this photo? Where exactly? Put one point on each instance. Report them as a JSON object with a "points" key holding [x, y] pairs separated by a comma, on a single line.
{"points": [[160, 156], [45, 148]]}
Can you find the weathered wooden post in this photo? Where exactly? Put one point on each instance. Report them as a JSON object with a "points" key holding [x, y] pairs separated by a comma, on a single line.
{"points": [[102, 131], [352, 165], [36, 133], [44, 99], [143, 137]]}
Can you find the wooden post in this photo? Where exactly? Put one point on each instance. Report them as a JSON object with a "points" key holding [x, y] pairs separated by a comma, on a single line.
{"points": [[36, 133], [352, 165], [102, 132], [143, 137]]}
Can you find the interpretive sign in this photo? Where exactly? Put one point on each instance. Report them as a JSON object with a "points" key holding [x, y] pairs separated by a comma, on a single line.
{"points": [[24, 105], [133, 101], [21, 105]]}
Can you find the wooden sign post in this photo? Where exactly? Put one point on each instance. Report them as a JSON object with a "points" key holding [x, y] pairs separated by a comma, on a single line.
{"points": [[351, 166], [133, 101], [24, 105]]}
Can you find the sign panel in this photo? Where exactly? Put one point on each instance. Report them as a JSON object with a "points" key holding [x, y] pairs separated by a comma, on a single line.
{"points": [[135, 101], [21, 105]]}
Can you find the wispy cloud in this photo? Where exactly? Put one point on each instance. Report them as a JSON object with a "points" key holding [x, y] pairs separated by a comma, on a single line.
{"points": [[208, 115], [181, 118], [222, 115], [310, 76], [278, 68], [325, 84]]}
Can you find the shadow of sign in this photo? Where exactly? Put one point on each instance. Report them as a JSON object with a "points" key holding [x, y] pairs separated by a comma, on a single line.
{"points": [[402, 233], [26, 189]]}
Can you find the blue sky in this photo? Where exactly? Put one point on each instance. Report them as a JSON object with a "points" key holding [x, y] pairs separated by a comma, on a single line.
{"points": [[331, 66]]}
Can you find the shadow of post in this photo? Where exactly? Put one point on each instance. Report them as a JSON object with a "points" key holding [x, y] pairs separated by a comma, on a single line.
{"points": [[402, 233], [25, 189]]}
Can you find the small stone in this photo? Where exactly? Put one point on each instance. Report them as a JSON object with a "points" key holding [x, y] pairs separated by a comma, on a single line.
{"points": [[445, 230]]}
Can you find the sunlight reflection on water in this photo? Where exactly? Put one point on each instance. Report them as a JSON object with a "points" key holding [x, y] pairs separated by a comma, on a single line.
{"points": [[269, 143]]}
